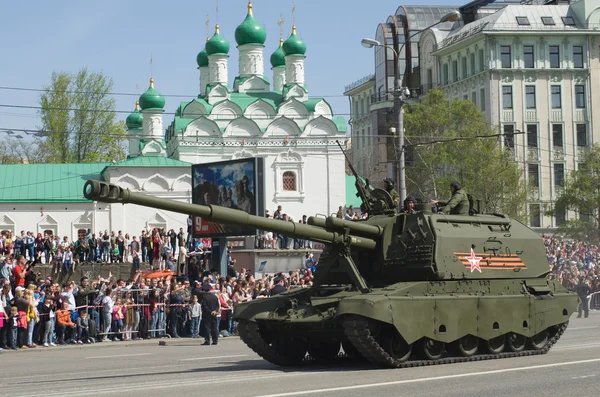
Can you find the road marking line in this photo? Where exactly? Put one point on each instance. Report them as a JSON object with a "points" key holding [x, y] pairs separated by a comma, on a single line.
{"points": [[577, 328], [120, 355], [212, 358], [419, 380]]}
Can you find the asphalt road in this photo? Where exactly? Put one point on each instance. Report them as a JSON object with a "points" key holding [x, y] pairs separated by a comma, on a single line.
{"points": [[184, 368]]}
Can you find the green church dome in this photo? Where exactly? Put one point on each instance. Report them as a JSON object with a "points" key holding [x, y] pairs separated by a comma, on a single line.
{"points": [[152, 99], [217, 44], [135, 120], [278, 57], [202, 59], [294, 45], [250, 31]]}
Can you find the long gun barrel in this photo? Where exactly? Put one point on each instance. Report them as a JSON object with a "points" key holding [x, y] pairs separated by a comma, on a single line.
{"points": [[340, 225], [109, 193]]}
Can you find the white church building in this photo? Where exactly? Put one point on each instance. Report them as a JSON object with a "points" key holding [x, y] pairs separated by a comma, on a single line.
{"points": [[294, 133]]}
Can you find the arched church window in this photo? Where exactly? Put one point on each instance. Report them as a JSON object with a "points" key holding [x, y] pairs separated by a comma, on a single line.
{"points": [[289, 181]]}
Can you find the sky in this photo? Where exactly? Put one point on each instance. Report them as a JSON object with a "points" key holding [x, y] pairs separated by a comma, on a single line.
{"points": [[119, 37]]}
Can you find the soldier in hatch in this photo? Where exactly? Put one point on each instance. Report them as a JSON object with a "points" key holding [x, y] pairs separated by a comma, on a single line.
{"points": [[389, 187], [459, 202], [409, 205]]}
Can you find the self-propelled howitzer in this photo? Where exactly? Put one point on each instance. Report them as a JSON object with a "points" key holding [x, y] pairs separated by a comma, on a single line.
{"points": [[399, 289]]}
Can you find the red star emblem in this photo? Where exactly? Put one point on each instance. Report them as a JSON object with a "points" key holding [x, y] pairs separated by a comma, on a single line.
{"points": [[474, 261]]}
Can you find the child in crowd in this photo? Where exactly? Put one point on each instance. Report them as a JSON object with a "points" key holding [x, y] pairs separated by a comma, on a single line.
{"points": [[83, 327], [48, 315], [196, 315], [117, 320], [13, 326]]}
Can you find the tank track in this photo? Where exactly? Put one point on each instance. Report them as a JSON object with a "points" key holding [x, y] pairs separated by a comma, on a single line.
{"points": [[358, 332], [250, 335]]}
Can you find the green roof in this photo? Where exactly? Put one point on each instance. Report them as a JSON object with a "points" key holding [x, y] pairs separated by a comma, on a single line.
{"points": [[351, 192], [341, 123], [150, 161], [28, 183]]}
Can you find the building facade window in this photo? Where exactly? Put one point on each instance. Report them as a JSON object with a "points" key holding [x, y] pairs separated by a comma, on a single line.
{"points": [[454, 71], [554, 56], [557, 135], [472, 61], [509, 136], [474, 98], [530, 96], [559, 174], [532, 135], [505, 58], [482, 98], [535, 219], [548, 21], [580, 96], [578, 56], [289, 181], [561, 216], [507, 100], [533, 171], [481, 60], [465, 72], [523, 21], [445, 74], [528, 56], [581, 132], [556, 98]]}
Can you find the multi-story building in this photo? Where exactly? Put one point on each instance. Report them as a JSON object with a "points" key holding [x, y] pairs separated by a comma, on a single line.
{"points": [[531, 69], [396, 37], [362, 138]]}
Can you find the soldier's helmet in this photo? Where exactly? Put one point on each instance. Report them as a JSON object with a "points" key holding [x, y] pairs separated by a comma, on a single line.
{"points": [[389, 183], [456, 185]]}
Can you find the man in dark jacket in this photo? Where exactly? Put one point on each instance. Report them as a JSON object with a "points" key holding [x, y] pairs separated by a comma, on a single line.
{"points": [[583, 290], [211, 308]]}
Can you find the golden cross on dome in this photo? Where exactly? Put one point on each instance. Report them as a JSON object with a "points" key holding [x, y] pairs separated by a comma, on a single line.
{"points": [[150, 64], [293, 12], [217, 11], [280, 23]]}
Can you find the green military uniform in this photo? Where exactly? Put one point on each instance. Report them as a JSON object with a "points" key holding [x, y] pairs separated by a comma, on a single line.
{"points": [[395, 197], [458, 204]]}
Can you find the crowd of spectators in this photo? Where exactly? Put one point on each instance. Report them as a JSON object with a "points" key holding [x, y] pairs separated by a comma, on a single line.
{"points": [[38, 311]]}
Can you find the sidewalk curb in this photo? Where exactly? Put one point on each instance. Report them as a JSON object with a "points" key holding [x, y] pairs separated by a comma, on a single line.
{"points": [[148, 342]]}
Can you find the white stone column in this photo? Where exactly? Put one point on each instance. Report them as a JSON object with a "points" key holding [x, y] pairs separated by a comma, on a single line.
{"points": [[218, 72], [134, 143], [152, 126], [204, 79], [278, 78], [251, 62], [294, 69]]}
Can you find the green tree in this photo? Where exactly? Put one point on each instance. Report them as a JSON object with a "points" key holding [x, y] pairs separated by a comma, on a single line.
{"points": [[17, 151], [79, 120], [460, 153], [581, 194]]}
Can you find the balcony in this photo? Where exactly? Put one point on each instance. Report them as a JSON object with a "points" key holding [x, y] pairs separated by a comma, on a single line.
{"points": [[580, 115], [531, 116], [508, 116], [556, 115]]}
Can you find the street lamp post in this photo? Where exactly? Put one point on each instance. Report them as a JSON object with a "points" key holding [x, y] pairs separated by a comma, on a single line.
{"points": [[399, 94]]}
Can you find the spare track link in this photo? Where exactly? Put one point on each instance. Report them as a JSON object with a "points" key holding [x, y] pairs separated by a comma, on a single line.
{"points": [[358, 332], [249, 333]]}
